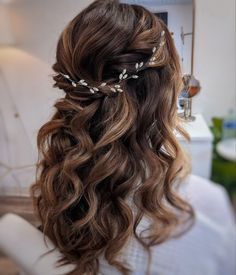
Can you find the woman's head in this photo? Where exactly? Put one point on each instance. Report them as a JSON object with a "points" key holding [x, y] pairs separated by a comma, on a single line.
{"points": [[107, 37], [102, 148]]}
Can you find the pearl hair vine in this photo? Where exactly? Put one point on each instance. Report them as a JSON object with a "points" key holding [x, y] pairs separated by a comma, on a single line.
{"points": [[123, 75]]}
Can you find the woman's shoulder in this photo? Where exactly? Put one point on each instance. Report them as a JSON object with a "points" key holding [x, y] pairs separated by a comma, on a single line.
{"points": [[209, 246], [208, 198]]}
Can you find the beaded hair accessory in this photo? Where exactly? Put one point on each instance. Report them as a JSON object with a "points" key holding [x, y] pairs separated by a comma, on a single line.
{"points": [[123, 76]]}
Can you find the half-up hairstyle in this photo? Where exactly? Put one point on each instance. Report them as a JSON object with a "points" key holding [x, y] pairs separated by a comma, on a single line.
{"points": [[104, 155]]}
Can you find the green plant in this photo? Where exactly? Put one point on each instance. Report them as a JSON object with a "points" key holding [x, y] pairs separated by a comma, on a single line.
{"points": [[223, 171]]}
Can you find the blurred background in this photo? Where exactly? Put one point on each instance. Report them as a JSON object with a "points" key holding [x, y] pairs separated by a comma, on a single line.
{"points": [[204, 34]]}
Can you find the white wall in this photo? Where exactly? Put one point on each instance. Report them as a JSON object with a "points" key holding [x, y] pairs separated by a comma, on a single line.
{"points": [[214, 56], [180, 16], [37, 24], [26, 89]]}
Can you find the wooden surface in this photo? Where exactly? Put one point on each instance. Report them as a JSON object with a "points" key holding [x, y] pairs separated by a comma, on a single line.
{"points": [[21, 206], [7, 267]]}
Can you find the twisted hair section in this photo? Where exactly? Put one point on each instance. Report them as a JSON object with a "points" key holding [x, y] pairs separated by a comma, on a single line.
{"points": [[100, 151]]}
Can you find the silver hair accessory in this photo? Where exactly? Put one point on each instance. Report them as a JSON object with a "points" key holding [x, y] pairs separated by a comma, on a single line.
{"points": [[123, 76]]}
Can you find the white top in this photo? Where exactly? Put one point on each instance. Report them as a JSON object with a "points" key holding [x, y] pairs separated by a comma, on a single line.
{"points": [[209, 248]]}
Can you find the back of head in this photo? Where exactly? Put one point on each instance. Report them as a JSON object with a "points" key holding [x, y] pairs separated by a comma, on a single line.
{"points": [[111, 138]]}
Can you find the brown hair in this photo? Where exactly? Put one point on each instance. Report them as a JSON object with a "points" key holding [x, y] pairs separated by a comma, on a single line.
{"points": [[99, 150]]}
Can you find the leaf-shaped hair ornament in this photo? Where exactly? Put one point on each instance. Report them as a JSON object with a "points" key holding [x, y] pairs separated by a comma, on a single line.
{"points": [[123, 76]]}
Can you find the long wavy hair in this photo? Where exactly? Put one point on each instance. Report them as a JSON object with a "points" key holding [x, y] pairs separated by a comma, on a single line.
{"points": [[105, 154]]}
